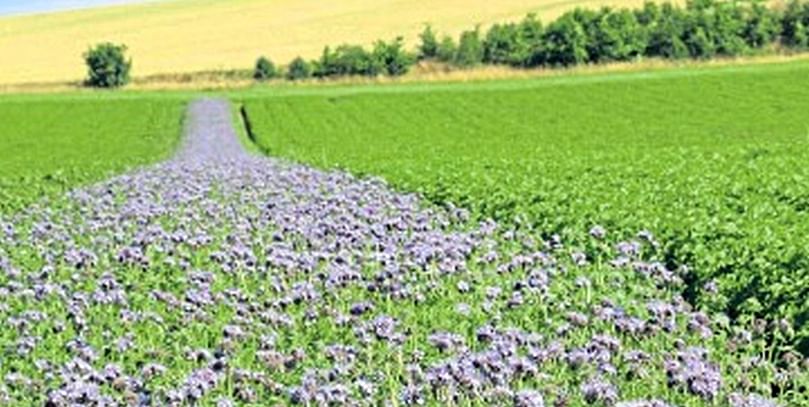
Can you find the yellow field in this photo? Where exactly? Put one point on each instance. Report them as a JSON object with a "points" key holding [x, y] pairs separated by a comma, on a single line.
{"points": [[177, 36]]}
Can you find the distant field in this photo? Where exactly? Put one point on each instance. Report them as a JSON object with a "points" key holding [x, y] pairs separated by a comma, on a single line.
{"points": [[712, 161], [194, 35], [48, 145]]}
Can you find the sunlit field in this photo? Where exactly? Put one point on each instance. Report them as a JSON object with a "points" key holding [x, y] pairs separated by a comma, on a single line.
{"points": [[195, 35]]}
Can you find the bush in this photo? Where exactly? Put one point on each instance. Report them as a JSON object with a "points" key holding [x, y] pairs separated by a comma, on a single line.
{"points": [[264, 70], [470, 49], [428, 49], [531, 50], [346, 60], [794, 25], [503, 45], [714, 28], [761, 26], [107, 66], [299, 69], [391, 58], [702, 29], [666, 32], [566, 42], [446, 49], [616, 36]]}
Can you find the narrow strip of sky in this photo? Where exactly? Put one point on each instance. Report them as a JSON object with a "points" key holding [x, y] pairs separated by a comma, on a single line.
{"points": [[13, 7]]}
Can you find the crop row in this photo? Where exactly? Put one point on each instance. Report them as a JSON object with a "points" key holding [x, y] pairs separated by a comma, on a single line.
{"points": [[220, 278], [710, 161]]}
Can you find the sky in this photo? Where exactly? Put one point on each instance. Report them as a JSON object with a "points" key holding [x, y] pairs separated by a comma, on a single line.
{"points": [[10, 7]]}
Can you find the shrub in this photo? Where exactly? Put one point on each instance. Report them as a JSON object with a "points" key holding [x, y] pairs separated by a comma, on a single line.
{"points": [[346, 60], [264, 69], [391, 57], [714, 28], [566, 42], [616, 36], [761, 26], [446, 49], [666, 32], [503, 45], [794, 25], [701, 29], [699, 43], [107, 66], [470, 49], [428, 48], [299, 69], [531, 51]]}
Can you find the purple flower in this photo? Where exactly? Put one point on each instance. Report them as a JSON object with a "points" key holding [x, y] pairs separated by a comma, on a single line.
{"points": [[598, 390]]}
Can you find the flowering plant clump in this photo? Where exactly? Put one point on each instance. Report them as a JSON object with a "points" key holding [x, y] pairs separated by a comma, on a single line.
{"points": [[221, 278]]}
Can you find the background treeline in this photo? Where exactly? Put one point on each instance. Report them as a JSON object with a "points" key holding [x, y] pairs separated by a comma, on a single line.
{"points": [[701, 29]]}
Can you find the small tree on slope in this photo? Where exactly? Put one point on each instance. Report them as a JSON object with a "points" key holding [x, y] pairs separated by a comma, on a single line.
{"points": [[107, 66]]}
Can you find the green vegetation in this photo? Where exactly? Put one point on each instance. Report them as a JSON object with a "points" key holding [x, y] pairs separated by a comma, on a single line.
{"points": [[386, 58], [299, 69], [711, 161], [107, 66], [53, 143], [264, 70], [702, 29]]}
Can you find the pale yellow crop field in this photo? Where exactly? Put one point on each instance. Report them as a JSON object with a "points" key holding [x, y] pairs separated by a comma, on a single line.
{"points": [[193, 35]]}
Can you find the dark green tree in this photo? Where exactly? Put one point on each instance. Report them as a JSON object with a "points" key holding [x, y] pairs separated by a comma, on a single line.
{"points": [[264, 69], [503, 45], [346, 60], [666, 33], [616, 35], [794, 24], [299, 69], [470, 49], [761, 26], [107, 66], [391, 57], [446, 49], [532, 51], [566, 42], [428, 49]]}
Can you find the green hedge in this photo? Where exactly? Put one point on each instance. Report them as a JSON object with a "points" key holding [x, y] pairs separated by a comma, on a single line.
{"points": [[701, 29]]}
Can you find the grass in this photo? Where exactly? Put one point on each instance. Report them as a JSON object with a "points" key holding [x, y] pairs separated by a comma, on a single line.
{"points": [[711, 160], [176, 36], [50, 144]]}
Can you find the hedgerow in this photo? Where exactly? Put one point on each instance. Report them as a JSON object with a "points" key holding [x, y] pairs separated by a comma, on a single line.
{"points": [[702, 29]]}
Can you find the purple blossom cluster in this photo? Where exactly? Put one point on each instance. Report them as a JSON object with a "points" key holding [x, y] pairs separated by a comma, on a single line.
{"points": [[223, 278]]}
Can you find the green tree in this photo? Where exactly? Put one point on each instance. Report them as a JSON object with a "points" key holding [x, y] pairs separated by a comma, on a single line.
{"points": [[446, 49], [666, 33], [502, 45], [391, 57], [566, 42], [616, 35], [428, 48], [761, 26], [794, 24], [532, 50], [346, 60], [264, 69], [470, 49], [299, 69], [107, 66]]}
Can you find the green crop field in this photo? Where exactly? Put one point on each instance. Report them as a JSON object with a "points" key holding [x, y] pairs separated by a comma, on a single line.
{"points": [[53, 143], [575, 207], [226, 278], [712, 161]]}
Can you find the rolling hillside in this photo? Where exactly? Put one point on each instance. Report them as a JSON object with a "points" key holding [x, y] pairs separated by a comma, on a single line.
{"points": [[195, 35]]}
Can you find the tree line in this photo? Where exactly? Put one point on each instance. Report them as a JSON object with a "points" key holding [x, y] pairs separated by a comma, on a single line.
{"points": [[701, 29]]}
